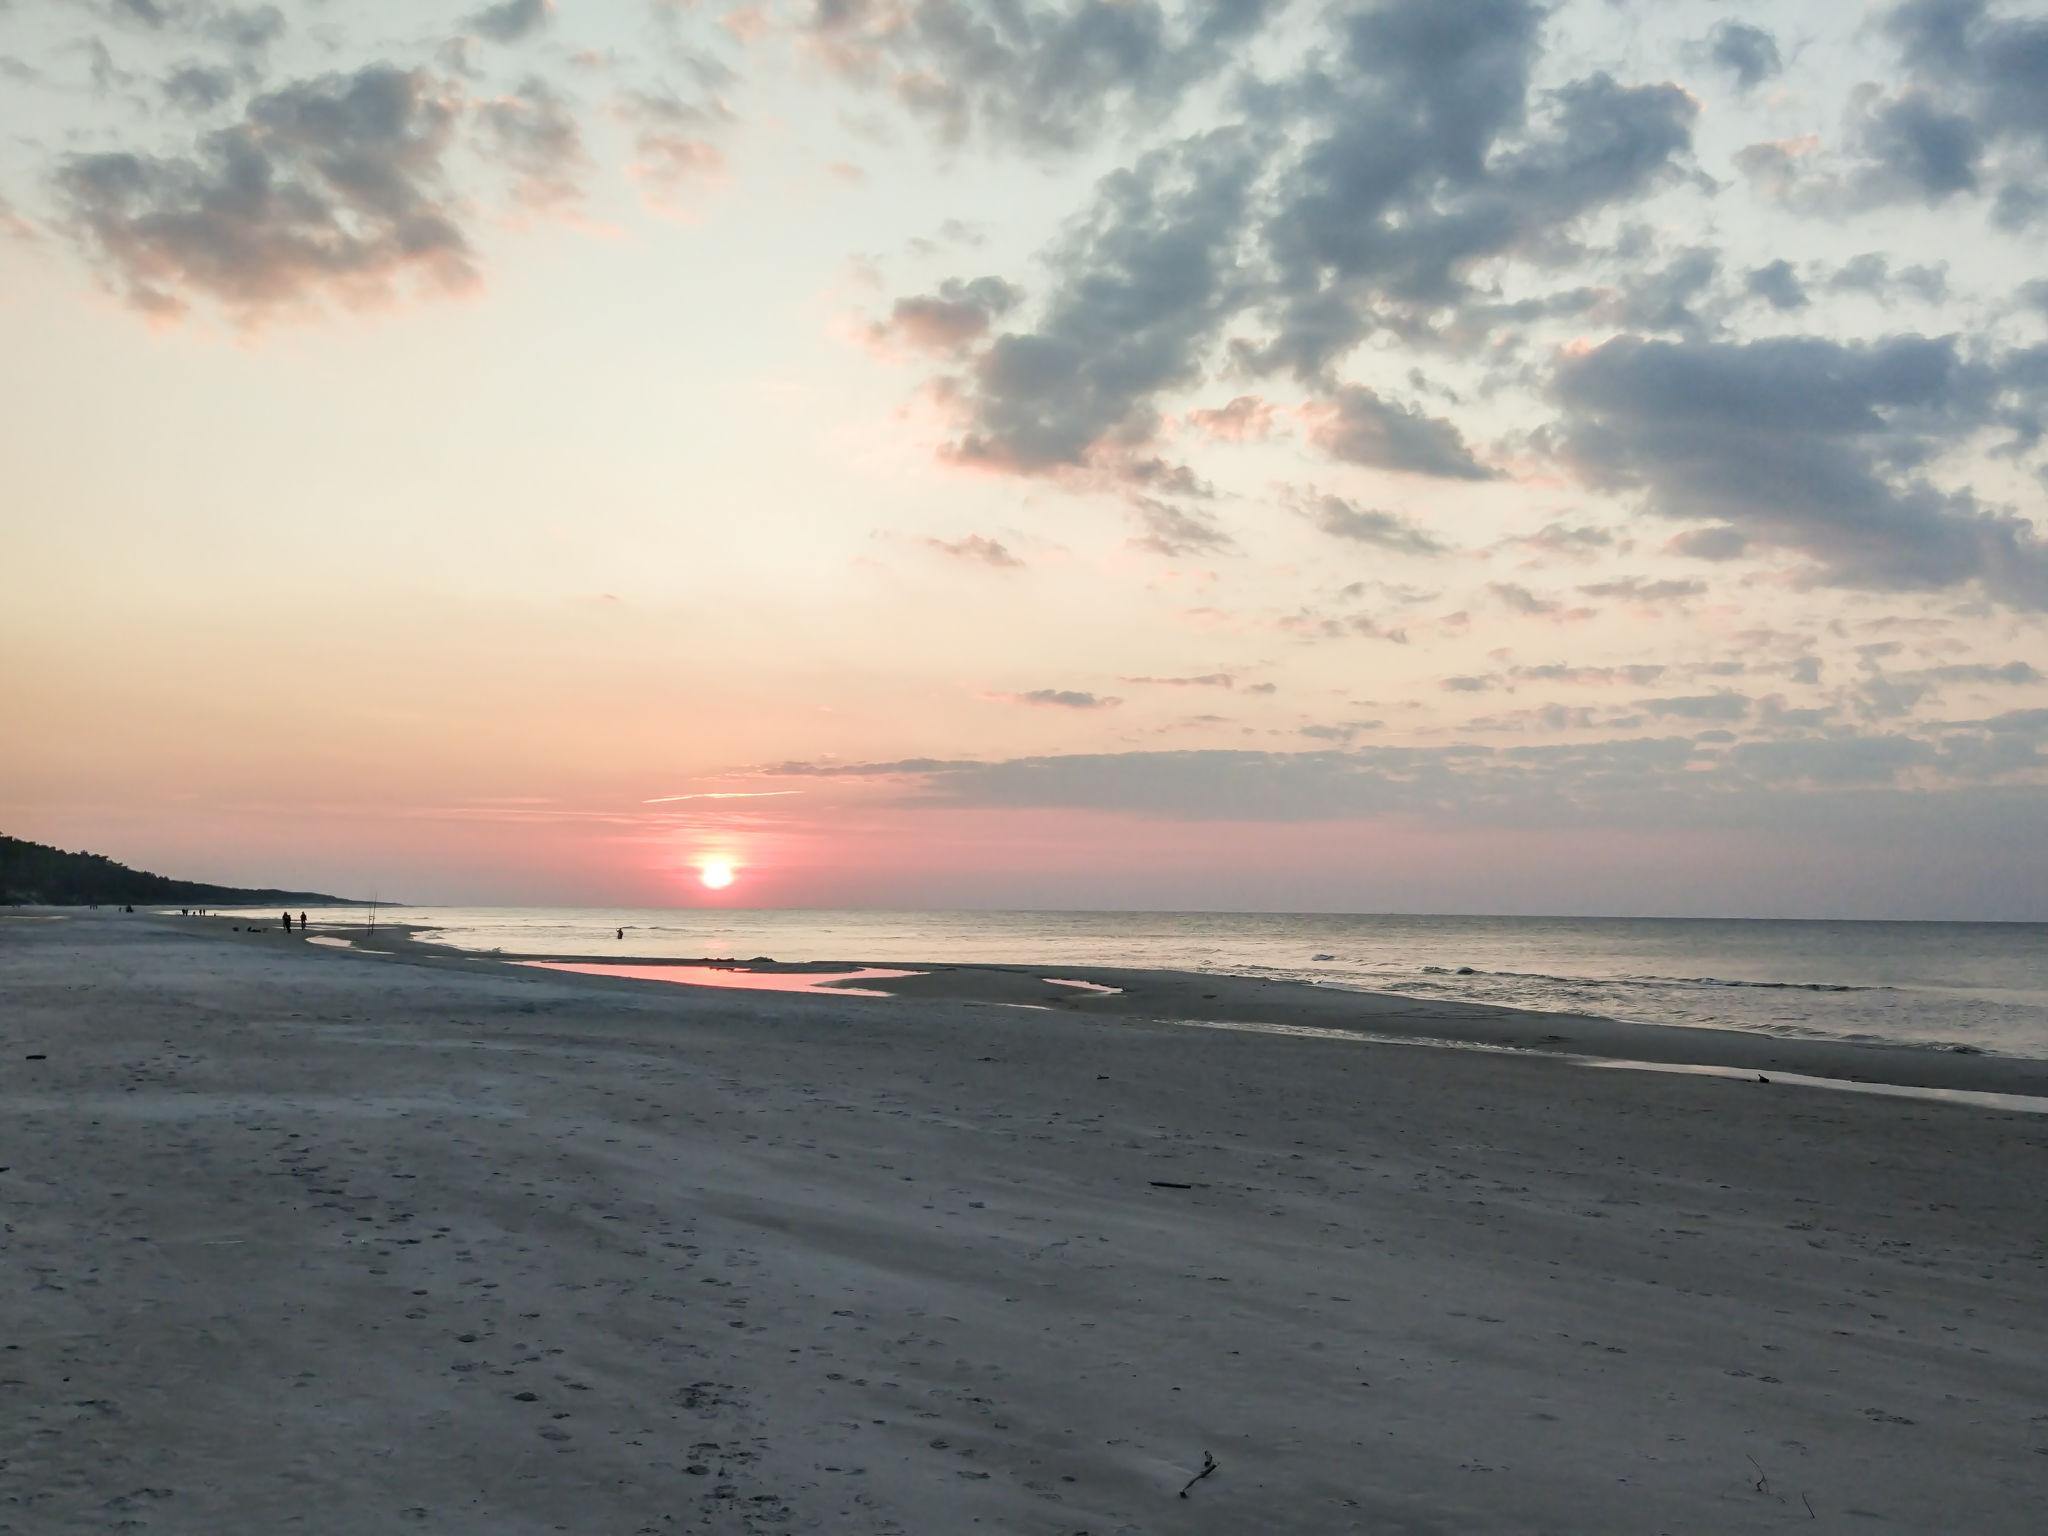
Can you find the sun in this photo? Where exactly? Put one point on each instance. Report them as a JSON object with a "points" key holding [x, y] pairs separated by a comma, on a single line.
{"points": [[716, 874]]}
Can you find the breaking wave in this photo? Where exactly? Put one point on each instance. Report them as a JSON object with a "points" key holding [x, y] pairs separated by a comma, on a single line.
{"points": [[1654, 981]]}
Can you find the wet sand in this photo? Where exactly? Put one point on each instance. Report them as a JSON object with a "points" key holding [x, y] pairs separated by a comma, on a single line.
{"points": [[304, 1239]]}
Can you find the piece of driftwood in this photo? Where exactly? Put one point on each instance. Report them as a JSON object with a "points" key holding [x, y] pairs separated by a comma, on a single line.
{"points": [[1169, 1184], [1208, 1466]]}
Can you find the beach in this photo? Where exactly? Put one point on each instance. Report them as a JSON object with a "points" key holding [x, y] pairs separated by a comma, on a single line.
{"points": [[306, 1239]]}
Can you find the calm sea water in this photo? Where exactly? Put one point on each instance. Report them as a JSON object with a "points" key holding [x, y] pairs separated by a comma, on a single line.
{"points": [[1982, 984]]}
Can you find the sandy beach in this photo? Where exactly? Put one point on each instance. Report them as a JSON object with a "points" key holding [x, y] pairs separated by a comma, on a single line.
{"points": [[303, 1239]]}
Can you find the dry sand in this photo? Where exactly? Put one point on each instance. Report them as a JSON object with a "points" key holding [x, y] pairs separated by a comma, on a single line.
{"points": [[305, 1240]]}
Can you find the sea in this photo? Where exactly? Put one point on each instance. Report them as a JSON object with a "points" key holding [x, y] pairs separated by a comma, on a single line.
{"points": [[1927, 983]]}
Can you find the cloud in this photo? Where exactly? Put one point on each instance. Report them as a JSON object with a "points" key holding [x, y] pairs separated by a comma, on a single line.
{"points": [[1679, 296], [1808, 444], [1059, 698], [1965, 119], [1425, 158], [1359, 427], [1344, 519], [675, 150], [1748, 53], [1247, 419], [200, 87], [1140, 288], [1519, 599], [1347, 199], [534, 133], [1564, 542], [1205, 680], [1722, 543], [959, 314], [511, 21], [1918, 148], [1659, 781], [330, 188], [1641, 589], [978, 550], [1989, 71], [1176, 532], [1873, 273], [1778, 286], [1724, 705], [1045, 75]]}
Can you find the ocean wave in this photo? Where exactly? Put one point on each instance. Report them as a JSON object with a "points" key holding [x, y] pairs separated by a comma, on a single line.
{"points": [[1654, 981]]}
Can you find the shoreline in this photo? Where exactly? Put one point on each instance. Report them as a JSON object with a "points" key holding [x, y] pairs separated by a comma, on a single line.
{"points": [[1221, 999]]}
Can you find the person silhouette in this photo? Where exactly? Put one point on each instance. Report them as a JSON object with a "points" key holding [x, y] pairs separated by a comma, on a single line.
{"points": [[622, 933], [302, 922], [287, 922]]}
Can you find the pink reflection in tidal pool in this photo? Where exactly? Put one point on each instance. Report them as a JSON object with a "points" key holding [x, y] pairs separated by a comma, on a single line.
{"points": [[820, 983]]}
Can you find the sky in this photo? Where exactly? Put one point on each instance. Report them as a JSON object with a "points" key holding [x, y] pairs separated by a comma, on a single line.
{"points": [[1386, 455]]}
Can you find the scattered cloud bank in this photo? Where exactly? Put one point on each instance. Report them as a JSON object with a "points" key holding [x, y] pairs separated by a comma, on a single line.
{"points": [[1450, 320]]}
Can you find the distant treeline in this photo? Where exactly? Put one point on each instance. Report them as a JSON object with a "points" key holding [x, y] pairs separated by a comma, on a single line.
{"points": [[31, 874]]}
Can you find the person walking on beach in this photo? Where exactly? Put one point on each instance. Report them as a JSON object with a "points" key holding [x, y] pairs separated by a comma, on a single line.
{"points": [[302, 922], [287, 922], [622, 933]]}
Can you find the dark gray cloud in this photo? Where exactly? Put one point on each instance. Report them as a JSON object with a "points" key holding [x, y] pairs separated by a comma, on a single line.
{"points": [[243, 28], [1047, 73], [1873, 273], [1748, 53], [511, 20], [1427, 159], [1141, 288], [200, 87], [1679, 297], [1919, 148], [1350, 198], [1778, 285], [328, 188], [1345, 519], [1811, 445], [1967, 117], [1360, 427]]}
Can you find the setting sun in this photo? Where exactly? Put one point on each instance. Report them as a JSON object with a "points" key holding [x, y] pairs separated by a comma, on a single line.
{"points": [[715, 873]]}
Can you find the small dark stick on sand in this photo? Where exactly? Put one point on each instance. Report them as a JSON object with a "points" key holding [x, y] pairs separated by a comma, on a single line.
{"points": [[1763, 1481], [1809, 1507], [1208, 1466]]}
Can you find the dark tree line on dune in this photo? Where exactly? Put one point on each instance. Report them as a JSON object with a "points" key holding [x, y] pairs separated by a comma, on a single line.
{"points": [[33, 874]]}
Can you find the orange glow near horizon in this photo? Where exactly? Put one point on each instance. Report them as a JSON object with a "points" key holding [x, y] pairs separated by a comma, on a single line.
{"points": [[716, 874]]}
